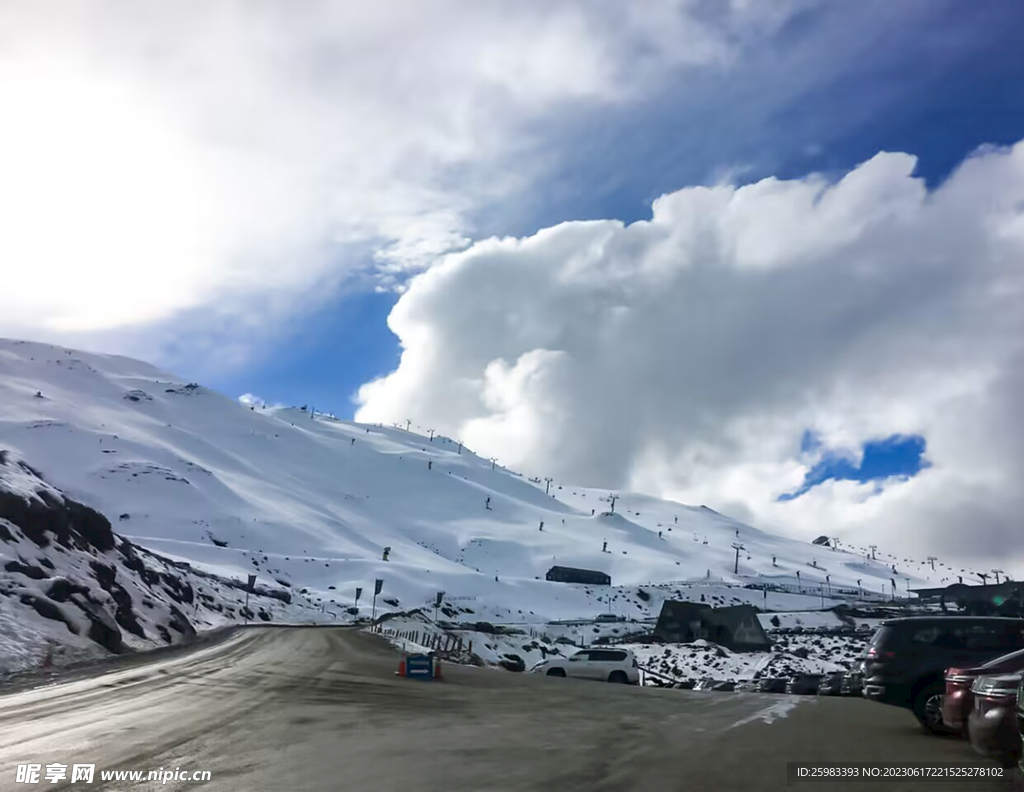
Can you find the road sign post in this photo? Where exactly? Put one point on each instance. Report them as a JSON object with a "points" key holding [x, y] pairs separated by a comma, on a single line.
{"points": [[437, 604], [377, 586]]}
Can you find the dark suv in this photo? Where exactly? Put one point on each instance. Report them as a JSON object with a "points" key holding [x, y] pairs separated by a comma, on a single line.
{"points": [[906, 659]]}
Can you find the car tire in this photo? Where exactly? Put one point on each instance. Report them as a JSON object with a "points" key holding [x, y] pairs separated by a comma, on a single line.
{"points": [[618, 677], [928, 708], [556, 672]]}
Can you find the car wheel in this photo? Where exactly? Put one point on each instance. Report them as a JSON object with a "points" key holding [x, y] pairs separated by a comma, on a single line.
{"points": [[928, 708], [619, 677], [558, 672]]}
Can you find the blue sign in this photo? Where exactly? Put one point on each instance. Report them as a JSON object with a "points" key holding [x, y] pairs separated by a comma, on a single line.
{"points": [[419, 666]]}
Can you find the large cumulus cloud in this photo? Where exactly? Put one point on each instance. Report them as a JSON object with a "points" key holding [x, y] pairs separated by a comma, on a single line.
{"points": [[687, 354]]}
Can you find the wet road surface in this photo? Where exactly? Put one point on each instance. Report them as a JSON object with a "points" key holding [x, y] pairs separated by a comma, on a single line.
{"points": [[321, 709]]}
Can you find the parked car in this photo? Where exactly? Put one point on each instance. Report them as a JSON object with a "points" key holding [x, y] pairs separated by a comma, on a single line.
{"points": [[804, 684], [992, 723], [1020, 727], [773, 685], [607, 665], [958, 700], [831, 684], [852, 684], [905, 663], [724, 686]]}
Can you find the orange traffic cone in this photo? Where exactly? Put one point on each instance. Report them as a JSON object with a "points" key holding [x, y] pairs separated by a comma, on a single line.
{"points": [[437, 668], [401, 667]]}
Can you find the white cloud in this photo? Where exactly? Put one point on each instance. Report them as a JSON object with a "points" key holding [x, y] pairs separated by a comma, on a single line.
{"points": [[160, 158], [687, 354]]}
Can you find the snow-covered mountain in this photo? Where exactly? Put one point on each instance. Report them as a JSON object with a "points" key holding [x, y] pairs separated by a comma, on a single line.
{"points": [[308, 502]]}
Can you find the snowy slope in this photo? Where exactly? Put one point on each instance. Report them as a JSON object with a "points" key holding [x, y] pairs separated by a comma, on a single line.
{"points": [[310, 502]]}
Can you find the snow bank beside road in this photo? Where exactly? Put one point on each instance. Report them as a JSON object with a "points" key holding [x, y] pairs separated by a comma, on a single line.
{"points": [[790, 655]]}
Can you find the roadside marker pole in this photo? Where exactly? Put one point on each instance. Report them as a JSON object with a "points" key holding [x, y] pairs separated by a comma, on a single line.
{"points": [[251, 585]]}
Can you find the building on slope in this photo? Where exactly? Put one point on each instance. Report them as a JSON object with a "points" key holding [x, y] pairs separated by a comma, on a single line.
{"points": [[736, 627], [591, 577], [994, 599]]}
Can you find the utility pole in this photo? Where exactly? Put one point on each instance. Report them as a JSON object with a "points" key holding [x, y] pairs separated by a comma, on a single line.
{"points": [[613, 498], [835, 542], [431, 433], [460, 448], [932, 560], [494, 461], [737, 546], [859, 592], [408, 423], [873, 549], [799, 587], [547, 484], [983, 576], [828, 583], [997, 573]]}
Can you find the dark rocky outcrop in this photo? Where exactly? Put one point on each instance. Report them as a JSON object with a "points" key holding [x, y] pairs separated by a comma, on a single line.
{"points": [[102, 629], [512, 662], [61, 589], [27, 570], [49, 609], [71, 524]]}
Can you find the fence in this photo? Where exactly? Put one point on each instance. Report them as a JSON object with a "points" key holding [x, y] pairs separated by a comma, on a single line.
{"points": [[817, 590], [445, 645]]}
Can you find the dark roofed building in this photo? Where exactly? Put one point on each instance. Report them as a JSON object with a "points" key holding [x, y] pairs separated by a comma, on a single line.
{"points": [[561, 574], [736, 627], [993, 599]]}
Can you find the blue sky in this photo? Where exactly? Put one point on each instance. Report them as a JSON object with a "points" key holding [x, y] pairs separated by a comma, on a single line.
{"points": [[895, 456]]}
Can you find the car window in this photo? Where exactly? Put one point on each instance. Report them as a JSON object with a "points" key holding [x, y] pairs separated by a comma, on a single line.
{"points": [[989, 637], [887, 635], [613, 656], [580, 656], [928, 636]]}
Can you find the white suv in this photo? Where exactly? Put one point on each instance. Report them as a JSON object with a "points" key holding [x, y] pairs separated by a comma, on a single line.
{"points": [[606, 665]]}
